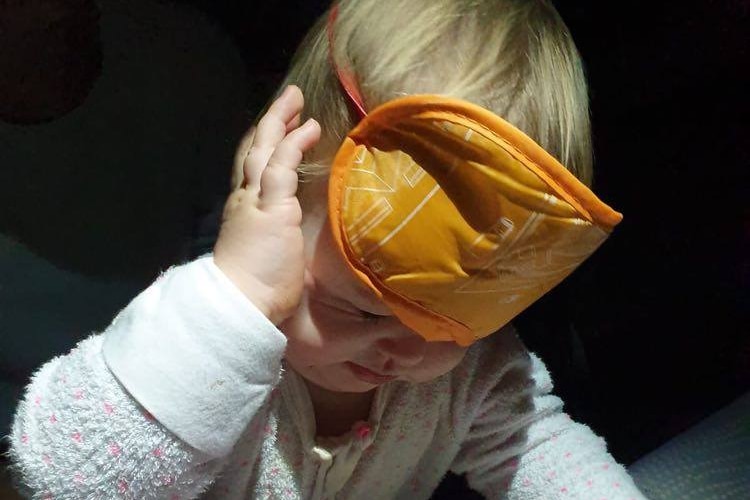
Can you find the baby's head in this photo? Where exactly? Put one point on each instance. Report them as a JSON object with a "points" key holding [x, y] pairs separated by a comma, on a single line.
{"points": [[513, 57]]}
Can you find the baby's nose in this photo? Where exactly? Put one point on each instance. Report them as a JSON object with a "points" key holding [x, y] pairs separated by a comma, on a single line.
{"points": [[405, 350]]}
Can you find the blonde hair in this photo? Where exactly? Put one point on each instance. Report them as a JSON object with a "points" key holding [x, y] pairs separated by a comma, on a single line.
{"points": [[513, 57]]}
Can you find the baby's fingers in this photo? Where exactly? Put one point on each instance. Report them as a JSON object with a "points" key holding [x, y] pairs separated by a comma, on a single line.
{"points": [[281, 117], [273, 126], [294, 123], [279, 179]]}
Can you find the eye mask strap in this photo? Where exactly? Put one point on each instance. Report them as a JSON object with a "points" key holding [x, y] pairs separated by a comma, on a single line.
{"points": [[345, 76]]}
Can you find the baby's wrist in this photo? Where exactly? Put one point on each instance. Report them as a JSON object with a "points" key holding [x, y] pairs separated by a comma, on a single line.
{"points": [[251, 289]]}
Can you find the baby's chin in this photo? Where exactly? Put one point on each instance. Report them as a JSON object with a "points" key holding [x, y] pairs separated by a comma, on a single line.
{"points": [[334, 378], [354, 387]]}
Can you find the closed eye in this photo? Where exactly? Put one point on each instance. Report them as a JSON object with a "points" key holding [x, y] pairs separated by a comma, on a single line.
{"points": [[371, 317], [349, 308], [325, 296]]}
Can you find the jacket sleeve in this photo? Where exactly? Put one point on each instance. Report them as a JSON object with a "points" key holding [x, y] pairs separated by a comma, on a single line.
{"points": [[522, 446], [152, 407]]}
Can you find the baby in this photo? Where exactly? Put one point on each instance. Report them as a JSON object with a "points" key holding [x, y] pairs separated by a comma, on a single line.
{"points": [[275, 367]]}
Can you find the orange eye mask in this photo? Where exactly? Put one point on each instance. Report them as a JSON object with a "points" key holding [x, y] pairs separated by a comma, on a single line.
{"points": [[457, 220]]}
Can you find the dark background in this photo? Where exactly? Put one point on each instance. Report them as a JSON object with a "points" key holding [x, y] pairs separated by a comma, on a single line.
{"points": [[647, 338]]}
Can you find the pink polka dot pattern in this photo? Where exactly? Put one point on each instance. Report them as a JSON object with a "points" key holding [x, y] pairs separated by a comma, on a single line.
{"points": [[80, 435], [114, 449], [88, 417], [362, 429], [571, 472]]}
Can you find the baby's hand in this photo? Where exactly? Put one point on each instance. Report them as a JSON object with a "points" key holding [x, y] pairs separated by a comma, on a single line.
{"points": [[260, 245]]}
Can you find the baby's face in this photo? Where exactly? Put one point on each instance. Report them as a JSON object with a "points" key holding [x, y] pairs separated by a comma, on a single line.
{"points": [[329, 333]]}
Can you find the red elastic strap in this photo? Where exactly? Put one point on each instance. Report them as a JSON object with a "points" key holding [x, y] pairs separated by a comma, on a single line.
{"points": [[346, 77]]}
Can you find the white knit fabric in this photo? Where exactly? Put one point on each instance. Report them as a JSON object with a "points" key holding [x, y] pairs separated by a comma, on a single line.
{"points": [[186, 395]]}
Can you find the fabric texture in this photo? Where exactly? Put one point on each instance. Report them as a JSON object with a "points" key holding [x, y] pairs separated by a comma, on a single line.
{"points": [[709, 461], [186, 395], [455, 218]]}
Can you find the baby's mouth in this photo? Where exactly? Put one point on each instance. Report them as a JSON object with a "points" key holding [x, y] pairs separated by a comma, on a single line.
{"points": [[367, 375]]}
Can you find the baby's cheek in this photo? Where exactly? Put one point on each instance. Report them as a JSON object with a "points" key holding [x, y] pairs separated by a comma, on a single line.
{"points": [[305, 348], [440, 358], [314, 344]]}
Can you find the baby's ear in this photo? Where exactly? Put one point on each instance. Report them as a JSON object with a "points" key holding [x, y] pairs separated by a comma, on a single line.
{"points": [[243, 148]]}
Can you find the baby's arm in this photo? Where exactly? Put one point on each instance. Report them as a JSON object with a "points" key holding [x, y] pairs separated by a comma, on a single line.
{"points": [[152, 407], [197, 350], [522, 446]]}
